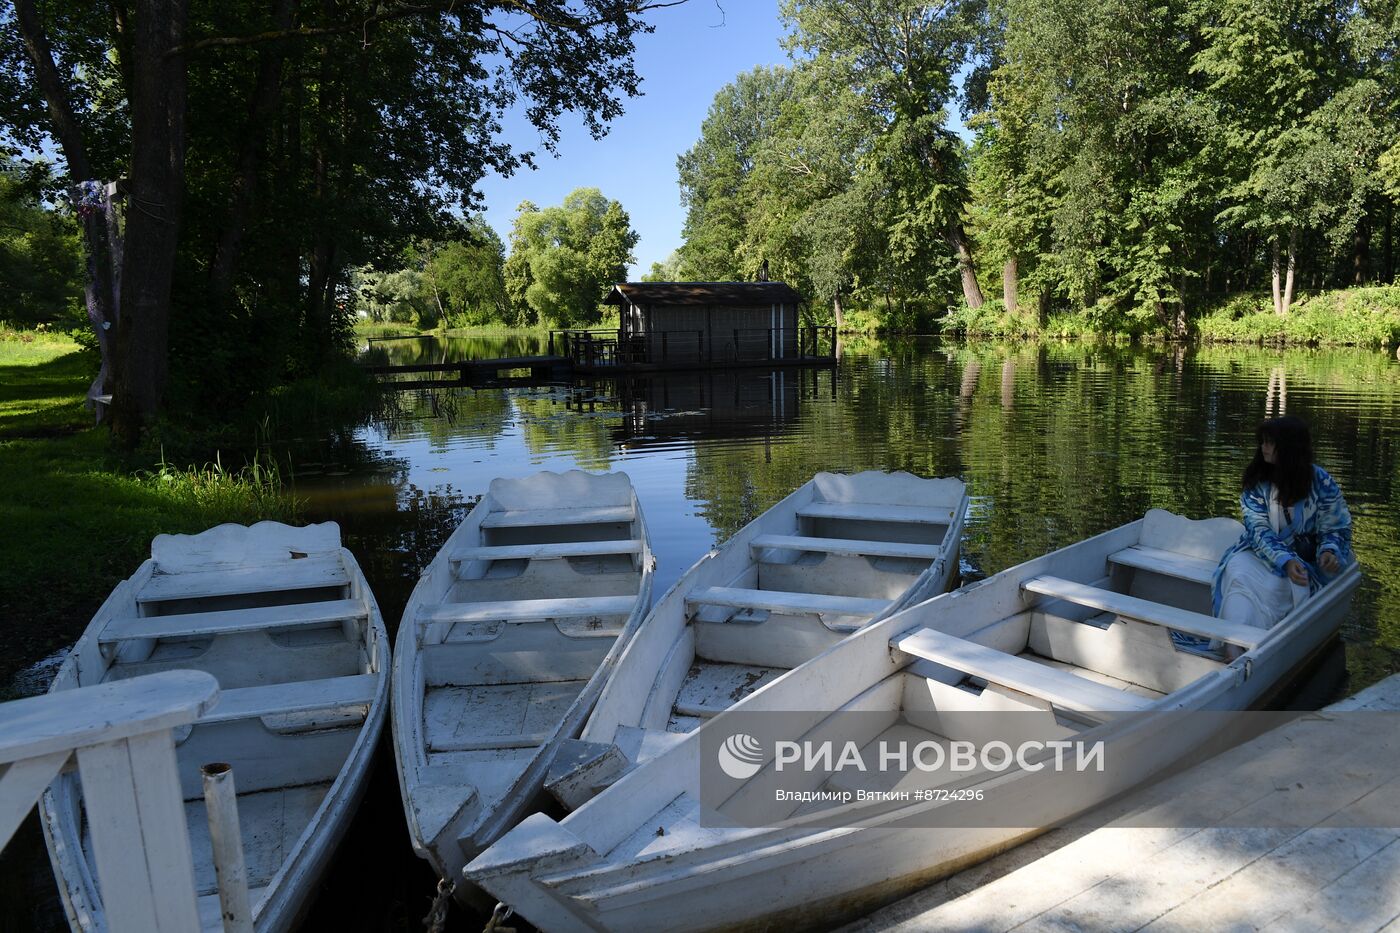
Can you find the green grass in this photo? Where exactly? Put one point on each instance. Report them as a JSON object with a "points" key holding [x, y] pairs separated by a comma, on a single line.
{"points": [[1360, 317], [367, 329], [77, 517]]}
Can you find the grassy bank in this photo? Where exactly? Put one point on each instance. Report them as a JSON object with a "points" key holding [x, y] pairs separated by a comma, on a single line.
{"points": [[77, 518], [369, 330], [1361, 317], [1353, 317]]}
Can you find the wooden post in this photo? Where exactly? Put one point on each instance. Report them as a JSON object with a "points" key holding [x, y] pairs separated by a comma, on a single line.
{"points": [[226, 841], [663, 346], [699, 345], [736, 343]]}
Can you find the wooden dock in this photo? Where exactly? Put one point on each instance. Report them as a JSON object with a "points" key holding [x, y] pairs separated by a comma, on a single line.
{"points": [[1328, 860], [488, 373]]}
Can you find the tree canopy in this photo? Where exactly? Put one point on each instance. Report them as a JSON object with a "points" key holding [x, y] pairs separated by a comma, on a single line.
{"points": [[269, 148], [564, 259], [1123, 161]]}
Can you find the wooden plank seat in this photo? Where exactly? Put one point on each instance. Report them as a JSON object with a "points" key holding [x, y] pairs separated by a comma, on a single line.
{"points": [[548, 551], [301, 696], [526, 610], [871, 512], [779, 601], [481, 743], [1193, 623], [197, 624], [1168, 563], [848, 546], [1060, 688], [527, 518], [304, 574]]}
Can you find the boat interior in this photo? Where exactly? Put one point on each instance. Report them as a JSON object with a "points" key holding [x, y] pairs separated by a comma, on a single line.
{"points": [[292, 646], [522, 610], [792, 596], [1079, 653], [1068, 644]]}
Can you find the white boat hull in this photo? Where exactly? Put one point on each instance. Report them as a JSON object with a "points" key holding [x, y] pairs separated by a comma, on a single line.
{"points": [[503, 649], [635, 857], [304, 696], [838, 553]]}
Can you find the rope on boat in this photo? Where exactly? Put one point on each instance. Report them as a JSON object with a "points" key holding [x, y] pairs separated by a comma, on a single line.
{"points": [[500, 915], [436, 920]]}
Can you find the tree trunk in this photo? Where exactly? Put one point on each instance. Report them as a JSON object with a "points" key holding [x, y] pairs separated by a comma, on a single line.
{"points": [[1042, 306], [1008, 284], [1274, 266], [1388, 267], [152, 225], [266, 93], [836, 310], [1292, 268], [967, 269], [1360, 253], [100, 287]]}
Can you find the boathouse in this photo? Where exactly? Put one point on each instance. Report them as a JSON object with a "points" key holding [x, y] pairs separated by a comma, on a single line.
{"points": [[677, 325]]}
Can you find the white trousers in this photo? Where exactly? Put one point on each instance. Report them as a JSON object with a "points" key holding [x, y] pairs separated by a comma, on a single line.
{"points": [[1252, 594]]}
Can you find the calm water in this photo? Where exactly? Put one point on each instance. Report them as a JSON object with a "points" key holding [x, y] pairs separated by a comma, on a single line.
{"points": [[1055, 442]]}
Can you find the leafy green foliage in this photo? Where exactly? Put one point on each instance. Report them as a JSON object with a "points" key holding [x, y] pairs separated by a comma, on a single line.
{"points": [[564, 259], [40, 252]]}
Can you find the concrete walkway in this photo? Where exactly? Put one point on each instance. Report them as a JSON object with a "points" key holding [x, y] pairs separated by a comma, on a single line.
{"points": [[1330, 861]]}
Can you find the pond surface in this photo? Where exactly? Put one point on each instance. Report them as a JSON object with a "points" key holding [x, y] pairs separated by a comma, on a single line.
{"points": [[1055, 442]]}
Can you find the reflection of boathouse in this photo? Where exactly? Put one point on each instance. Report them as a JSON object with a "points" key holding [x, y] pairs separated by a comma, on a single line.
{"points": [[718, 405], [698, 325]]}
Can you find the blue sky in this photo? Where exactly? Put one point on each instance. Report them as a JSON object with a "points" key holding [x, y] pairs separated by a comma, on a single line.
{"points": [[683, 63]]}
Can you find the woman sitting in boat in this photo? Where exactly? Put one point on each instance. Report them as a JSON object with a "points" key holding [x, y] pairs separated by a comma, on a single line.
{"points": [[1297, 533]]}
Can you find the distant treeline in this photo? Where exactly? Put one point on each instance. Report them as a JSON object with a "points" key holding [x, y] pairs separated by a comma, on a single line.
{"points": [[563, 259], [1129, 164]]}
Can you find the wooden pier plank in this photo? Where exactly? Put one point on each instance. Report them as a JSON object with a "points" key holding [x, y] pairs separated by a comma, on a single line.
{"points": [[1300, 848]]}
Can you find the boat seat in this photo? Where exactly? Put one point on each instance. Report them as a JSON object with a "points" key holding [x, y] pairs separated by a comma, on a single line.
{"points": [[872, 512], [300, 696], [1144, 610], [548, 551], [304, 574], [526, 610], [1168, 563], [225, 621], [848, 546], [482, 743], [527, 518], [1060, 688], [779, 601]]}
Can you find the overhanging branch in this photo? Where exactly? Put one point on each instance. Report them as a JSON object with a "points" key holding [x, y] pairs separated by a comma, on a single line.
{"points": [[571, 23]]}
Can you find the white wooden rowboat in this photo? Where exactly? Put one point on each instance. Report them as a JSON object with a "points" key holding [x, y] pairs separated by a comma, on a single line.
{"points": [[284, 620], [504, 647], [839, 552], [1070, 639]]}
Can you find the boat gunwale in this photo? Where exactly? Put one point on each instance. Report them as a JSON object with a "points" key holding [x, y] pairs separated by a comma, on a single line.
{"points": [[280, 903]]}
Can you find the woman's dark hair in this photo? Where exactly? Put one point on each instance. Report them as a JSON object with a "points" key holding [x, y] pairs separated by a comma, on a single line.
{"points": [[1293, 474]]}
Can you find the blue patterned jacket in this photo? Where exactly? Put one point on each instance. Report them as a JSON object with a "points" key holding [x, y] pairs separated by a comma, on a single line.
{"points": [[1321, 522]]}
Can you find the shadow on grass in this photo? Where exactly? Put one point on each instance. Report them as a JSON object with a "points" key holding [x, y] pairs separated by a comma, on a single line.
{"points": [[46, 399]]}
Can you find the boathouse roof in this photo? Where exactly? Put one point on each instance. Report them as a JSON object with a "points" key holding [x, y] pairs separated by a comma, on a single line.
{"points": [[703, 293]]}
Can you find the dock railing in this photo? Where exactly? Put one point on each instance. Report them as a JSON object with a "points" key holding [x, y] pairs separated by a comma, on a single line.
{"points": [[682, 348], [120, 735]]}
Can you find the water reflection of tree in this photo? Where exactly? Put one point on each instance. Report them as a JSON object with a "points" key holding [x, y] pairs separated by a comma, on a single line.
{"points": [[548, 426], [1062, 441]]}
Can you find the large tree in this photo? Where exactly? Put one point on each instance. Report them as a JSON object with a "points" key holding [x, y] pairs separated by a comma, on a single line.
{"points": [[714, 171], [564, 259], [902, 57], [324, 135]]}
